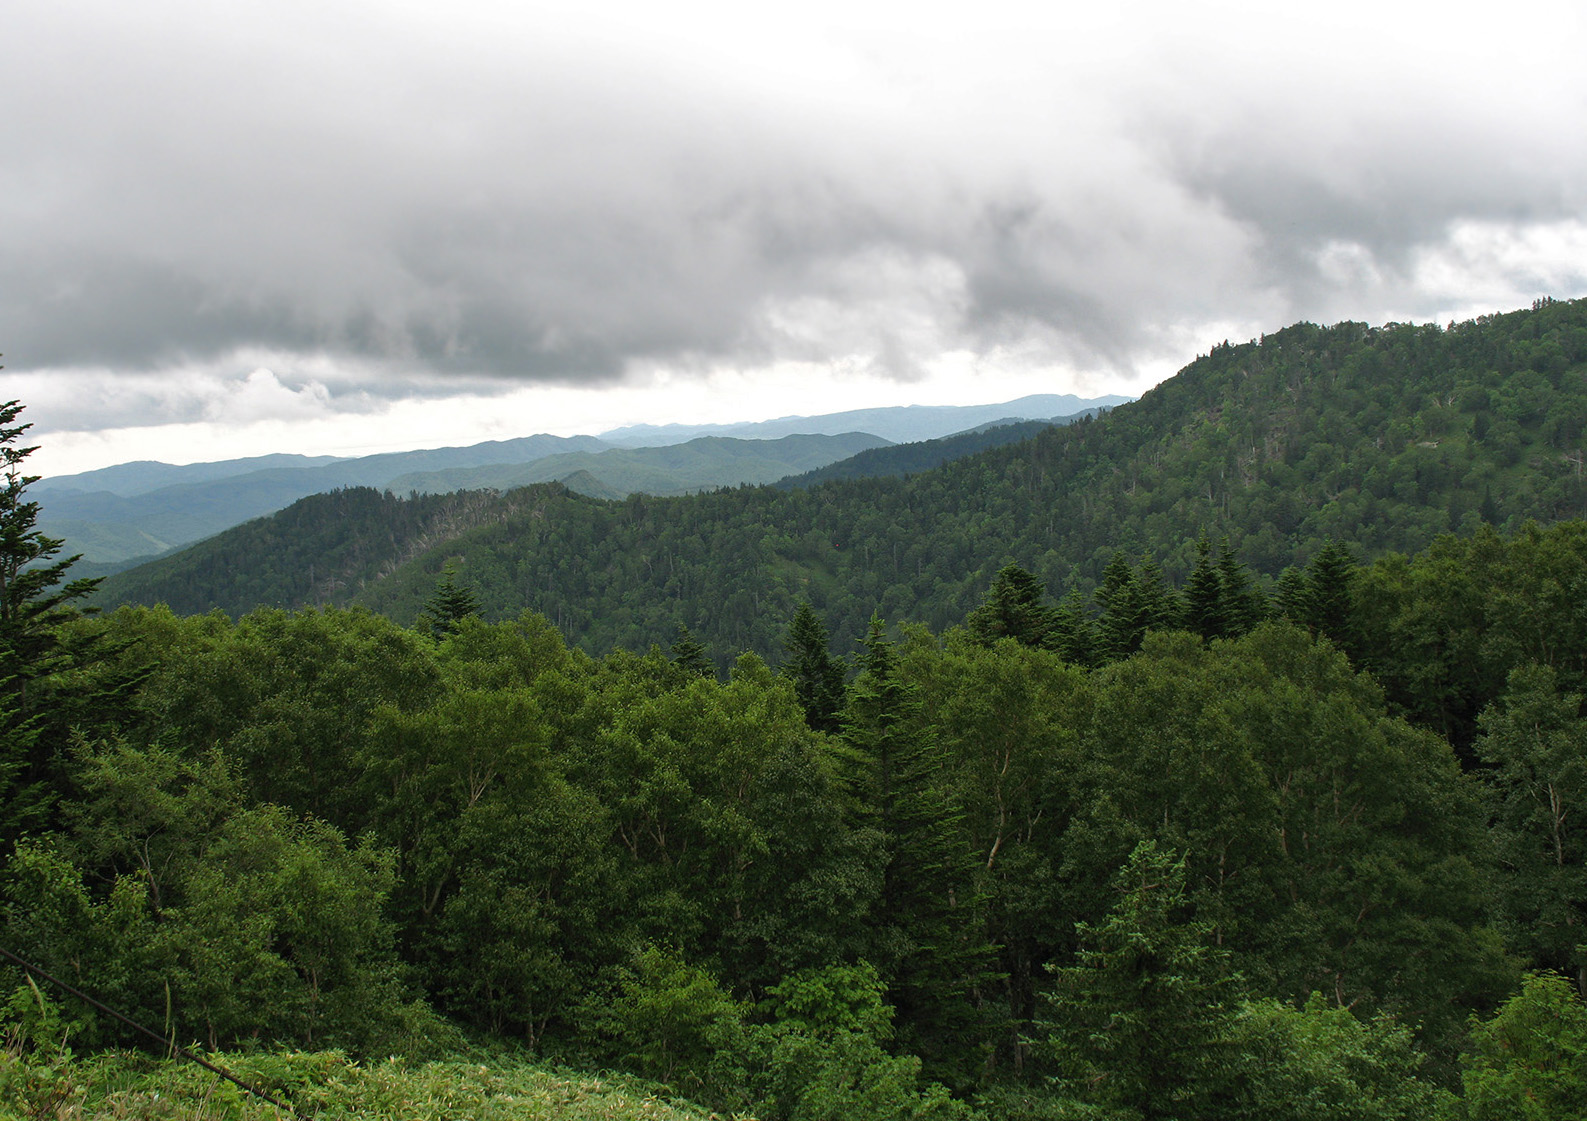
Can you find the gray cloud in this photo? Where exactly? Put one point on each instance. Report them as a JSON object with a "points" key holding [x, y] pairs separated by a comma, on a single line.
{"points": [[391, 207]]}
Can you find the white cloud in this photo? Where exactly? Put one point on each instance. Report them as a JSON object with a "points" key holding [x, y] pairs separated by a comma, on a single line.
{"points": [[385, 206], [1484, 266]]}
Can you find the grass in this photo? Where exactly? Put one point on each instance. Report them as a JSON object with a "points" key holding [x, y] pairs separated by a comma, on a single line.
{"points": [[326, 1085]]}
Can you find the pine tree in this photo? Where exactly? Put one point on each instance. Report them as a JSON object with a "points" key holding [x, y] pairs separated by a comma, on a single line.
{"points": [[1115, 598], [34, 604], [1203, 596], [1014, 608], [450, 604], [1156, 604], [1141, 1020], [1291, 596], [1243, 605], [1330, 582], [817, 676], [690, 655], [1074, 634], [1133, 601], [929, 923]]}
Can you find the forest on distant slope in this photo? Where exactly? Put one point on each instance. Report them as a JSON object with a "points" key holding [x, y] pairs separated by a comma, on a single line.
{"points": [[1379, 438], [1193, 852]]}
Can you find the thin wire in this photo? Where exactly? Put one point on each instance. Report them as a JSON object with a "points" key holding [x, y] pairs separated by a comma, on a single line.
{"points": [[164, 1042]]}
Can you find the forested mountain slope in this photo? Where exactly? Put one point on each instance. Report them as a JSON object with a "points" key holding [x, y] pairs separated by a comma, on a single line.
{"points": [[131, 515], [144, 475], [699, 464], [1200, 854], [121, 513], [118, 516], [907, 459], [1380, 437]]}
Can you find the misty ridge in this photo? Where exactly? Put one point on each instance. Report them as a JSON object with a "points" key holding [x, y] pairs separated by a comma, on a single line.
{"points": [[123, 515]]}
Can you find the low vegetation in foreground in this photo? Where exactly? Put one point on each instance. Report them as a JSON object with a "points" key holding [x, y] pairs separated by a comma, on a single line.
{"points": [[326, 1084]]}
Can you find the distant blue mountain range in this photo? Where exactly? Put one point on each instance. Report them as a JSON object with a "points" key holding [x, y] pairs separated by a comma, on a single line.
{"points": [[121, 515]]}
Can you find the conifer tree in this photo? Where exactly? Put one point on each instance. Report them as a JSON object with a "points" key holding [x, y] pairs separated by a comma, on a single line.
{"points": [[929, 923], [1074, 635], [450, 604], [1115, 607], [1141, 1019], [34, 604], [1243, 605], [1203, 596], [1330, 582], [1014, 608], [689, 654], [1133, 601], [1290, 595], [1156, 604], [817, 676]]}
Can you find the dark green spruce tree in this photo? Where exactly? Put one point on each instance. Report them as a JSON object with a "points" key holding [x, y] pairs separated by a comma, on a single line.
{"points": [[36, 602], [816, 675], [1327, 602], [1243, 603], [1074, 636], [1220, 600], [1203, 596], [1290, 596], [449, 604], [1132, 601], [929, 926], [690, 655], [1141, 1018], [1015, 608]]}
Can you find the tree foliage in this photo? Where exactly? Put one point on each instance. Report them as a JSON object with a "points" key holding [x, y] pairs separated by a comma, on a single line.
{"points": [[1378, 438], [36, 604], [1144, 853]]}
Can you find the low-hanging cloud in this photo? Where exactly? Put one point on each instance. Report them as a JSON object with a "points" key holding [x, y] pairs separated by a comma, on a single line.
{"points": [[384, 203]]}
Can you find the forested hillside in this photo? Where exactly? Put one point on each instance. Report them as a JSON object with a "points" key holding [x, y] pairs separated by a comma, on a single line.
{"points": [[1381, 438], [1195, 847], [906, 459], [138, 510], [1173, 858], [699, 464]]}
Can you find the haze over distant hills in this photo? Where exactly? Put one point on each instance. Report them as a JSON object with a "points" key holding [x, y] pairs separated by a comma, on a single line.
{"points": [[899, 425], [138, 510], [699, 464], [145, 475], [121, 515]]}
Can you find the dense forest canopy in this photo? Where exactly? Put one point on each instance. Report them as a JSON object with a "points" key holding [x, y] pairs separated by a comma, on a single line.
{"points": [[1147, 822], [1381, 438], [322, 828]]}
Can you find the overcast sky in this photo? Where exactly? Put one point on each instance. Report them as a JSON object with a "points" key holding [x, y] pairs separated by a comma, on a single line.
{"points": [[234, 228]]}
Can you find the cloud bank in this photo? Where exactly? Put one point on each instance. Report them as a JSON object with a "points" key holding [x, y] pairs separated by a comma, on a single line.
{"points": [[216, 212]]}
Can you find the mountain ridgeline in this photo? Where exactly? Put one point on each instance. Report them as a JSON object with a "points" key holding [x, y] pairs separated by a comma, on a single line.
{"points": [[130, 513], [923, 455], [1379, 438], [117, 517]]}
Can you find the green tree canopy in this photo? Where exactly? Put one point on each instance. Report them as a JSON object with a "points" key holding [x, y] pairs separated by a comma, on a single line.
{"points": [[34, 606], [817, 676], [1014, 608], [449, 604]]}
